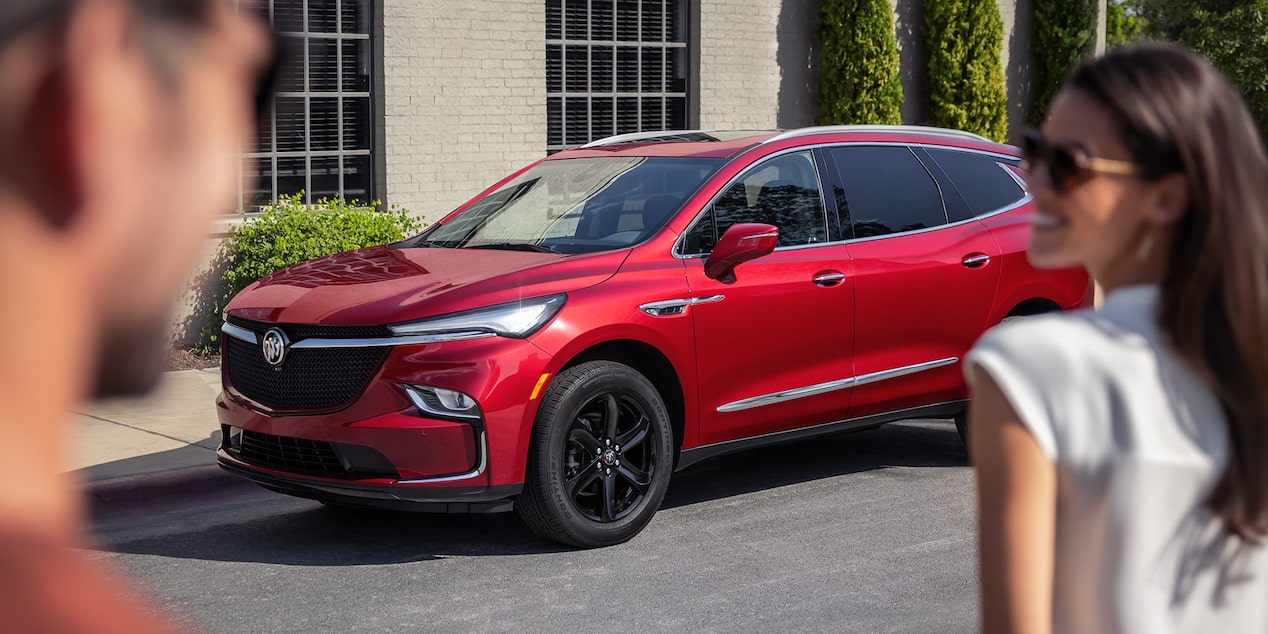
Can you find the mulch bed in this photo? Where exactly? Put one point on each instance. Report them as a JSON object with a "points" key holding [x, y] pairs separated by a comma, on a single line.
{"points": [[190, 360]]}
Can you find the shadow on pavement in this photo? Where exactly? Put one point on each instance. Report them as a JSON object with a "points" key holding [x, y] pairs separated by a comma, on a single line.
{"points": [[200, 454], [275, 529]]}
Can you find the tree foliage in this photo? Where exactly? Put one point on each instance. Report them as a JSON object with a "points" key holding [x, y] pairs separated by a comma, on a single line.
{"points": [[1232, 34], [859, 63], [1062, 34], [1122, 23], [965, 40]]}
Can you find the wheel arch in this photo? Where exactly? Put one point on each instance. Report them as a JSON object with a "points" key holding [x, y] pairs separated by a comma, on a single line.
{"points": [[647, 360]]}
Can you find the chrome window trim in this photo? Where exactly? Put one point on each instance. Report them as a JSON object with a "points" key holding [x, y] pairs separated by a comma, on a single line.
{"points": [[678, 254], [832, 386], [481, 465]]}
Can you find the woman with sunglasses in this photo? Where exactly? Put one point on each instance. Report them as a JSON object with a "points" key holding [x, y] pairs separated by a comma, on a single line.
{"points": [[1122, 453]]}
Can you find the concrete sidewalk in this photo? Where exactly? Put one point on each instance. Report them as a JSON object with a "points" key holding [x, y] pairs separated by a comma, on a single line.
{"points": [[134, 451]]}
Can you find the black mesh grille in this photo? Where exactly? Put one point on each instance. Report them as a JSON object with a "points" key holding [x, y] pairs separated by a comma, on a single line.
{"points": [[309, 379], [295, 332], [294, 454]]}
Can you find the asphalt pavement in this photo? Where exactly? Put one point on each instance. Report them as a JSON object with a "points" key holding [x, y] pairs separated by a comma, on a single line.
{"points": [[862, 532]]}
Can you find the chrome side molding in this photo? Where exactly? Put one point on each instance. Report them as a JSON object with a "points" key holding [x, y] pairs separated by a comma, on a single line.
{"points": [[831, 386]]}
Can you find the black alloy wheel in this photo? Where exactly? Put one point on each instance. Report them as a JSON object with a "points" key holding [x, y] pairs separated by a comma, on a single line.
{"points": [[600, 459]]}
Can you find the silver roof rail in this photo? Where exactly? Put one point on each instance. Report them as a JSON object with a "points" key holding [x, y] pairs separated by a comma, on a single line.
{"points": [[641, 136], [946, 132]]}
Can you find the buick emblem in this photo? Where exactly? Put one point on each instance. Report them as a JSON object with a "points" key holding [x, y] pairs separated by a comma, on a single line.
{"points": [[274, 346]]}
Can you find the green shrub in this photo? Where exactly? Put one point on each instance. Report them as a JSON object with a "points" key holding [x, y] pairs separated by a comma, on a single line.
{"points": [[965, 40], [859, 63], [1062, 34], [290, 232]]}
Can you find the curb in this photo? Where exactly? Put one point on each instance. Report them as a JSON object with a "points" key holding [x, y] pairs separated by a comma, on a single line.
{"points": [[148, 490]]}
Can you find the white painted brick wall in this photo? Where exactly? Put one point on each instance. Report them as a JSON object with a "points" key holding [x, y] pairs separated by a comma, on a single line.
{"points": [[464, 97], [739, 74]]}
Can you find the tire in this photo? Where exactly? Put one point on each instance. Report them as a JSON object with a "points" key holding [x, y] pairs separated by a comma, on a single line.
{"points": [[962, 428], [582, 488]]}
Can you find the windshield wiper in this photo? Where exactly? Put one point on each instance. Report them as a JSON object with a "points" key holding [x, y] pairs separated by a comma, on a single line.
{"points": [[514, 246]]}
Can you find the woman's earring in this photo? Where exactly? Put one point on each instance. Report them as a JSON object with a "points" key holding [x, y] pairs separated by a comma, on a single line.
{"points": [[1145, 248]]}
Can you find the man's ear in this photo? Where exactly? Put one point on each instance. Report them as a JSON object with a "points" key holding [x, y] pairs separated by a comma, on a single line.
{"points": [[1171, 198]]}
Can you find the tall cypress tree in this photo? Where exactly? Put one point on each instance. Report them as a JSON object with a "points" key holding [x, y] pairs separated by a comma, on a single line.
{"points": [[965, 40], [859, 63], [1062, 34]]}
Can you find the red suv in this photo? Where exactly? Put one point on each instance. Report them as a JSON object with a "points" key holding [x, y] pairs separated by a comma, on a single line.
{"points": [[622, 310]]}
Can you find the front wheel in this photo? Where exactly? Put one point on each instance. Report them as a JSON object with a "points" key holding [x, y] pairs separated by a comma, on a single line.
{"points": [[600, 458]]}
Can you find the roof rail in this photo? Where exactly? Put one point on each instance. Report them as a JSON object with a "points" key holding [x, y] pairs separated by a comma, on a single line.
{"points": [[946, 132], [641, 136]]}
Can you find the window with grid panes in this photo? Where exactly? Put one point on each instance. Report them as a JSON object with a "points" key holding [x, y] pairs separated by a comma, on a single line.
{"points": [[317, 135], [614, 67]]}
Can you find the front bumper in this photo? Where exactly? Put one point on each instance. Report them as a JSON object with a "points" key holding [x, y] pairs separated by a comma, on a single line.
{"points": [[380, 450], [490, 499]]}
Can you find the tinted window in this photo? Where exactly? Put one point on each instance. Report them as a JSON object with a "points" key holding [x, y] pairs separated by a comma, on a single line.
{"points": [[887, 190], [783, 191], [980, 179]]}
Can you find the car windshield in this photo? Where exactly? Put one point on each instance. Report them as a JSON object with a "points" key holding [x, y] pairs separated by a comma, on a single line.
{"points": [[578, 205]]}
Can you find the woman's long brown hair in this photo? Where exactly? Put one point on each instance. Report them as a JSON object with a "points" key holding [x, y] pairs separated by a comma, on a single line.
{"points": [[1178, 114]]}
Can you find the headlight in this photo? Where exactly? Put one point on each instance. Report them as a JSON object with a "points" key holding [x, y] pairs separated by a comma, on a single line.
{"points": [[513, 319]]}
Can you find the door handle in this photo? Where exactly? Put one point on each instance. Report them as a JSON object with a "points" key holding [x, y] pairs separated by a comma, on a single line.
{"points": [[975, 260], [829, 278]]}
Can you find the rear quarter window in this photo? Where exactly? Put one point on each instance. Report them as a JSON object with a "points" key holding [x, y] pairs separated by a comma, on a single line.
{"points": [[982, 180]]}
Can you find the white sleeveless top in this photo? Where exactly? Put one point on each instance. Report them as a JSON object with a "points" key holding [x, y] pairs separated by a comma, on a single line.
{"points": [[1138, 441]]}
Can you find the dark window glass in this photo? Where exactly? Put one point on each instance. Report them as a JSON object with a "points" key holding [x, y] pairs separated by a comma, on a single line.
{"points": [[322, 17], [555, 121], [323, 65], [323, 123], [554, 19], [257, 182], [291, 175], [783, 192], [886, 190], [356, 16], [356, 178], [288, 15], [576, 18], [290, 124], [291, 74], [356, 65], [324, 173], [980, 179], [356, 123]]}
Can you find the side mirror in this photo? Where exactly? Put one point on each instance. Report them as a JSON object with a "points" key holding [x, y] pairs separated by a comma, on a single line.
{"points": [[741, 242]]}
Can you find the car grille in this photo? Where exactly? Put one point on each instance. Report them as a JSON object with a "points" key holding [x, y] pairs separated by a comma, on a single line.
{"points": [[295, 332], [309, 378], [293, 454]]}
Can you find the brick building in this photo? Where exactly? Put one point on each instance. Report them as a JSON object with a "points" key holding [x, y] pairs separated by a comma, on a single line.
{"points": [[423, 103]]}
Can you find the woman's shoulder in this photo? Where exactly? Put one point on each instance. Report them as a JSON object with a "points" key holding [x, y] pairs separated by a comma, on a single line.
{"points": [[1053, 335]]}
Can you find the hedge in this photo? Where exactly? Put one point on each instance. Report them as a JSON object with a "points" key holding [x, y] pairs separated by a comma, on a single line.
{"points": [[1062, 34]]}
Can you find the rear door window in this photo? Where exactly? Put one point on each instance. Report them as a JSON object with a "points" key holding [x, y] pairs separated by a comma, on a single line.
{"points": [[886, 189], [980, 178]]}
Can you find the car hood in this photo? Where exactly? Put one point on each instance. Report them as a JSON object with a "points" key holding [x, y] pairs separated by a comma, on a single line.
{"points": [[381, 285]]}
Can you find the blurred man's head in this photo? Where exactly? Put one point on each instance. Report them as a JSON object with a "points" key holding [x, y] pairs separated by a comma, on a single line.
{"points": [[119, 124]]}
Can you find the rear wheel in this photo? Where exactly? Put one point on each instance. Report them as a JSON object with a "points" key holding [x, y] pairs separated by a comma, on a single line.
{"points": [[600, 458]]}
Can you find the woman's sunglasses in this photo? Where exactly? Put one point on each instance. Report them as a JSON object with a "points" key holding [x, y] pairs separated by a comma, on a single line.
{"points": [[1069, 167]]}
